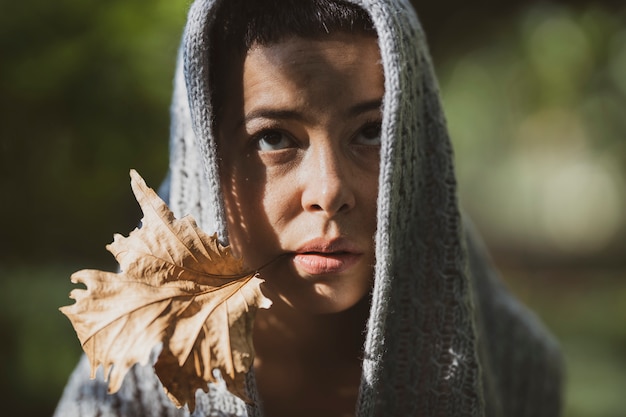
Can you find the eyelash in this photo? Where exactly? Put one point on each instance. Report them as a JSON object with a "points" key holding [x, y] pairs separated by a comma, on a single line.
{"points": [[256, 138], [265, 133], [372, 123]]}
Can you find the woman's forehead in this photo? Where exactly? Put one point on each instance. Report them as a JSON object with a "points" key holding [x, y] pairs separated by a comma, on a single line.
{"points": [[309, 79]]}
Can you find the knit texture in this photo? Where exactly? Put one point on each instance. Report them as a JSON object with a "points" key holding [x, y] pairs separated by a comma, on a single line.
{"points": [[444, 337]]}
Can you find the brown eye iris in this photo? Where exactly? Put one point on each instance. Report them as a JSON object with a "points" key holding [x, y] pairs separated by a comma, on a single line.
{"points": [[369, 135], [272, 140]]}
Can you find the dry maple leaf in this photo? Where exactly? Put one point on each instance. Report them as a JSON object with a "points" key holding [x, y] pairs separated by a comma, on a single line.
{"points": [[176, 286]]}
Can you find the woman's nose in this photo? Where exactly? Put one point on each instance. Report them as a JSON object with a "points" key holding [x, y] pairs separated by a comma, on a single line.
{"points": [[327, 185]]}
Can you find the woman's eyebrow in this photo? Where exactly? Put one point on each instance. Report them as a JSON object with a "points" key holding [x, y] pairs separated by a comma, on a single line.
{"points": [[287, 114], [268, 113], [364, 107]]}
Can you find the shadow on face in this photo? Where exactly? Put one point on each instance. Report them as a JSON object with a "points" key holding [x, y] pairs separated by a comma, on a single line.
{"points": [[299, 138]]}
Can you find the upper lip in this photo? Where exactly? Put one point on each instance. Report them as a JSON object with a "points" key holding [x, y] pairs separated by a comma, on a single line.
{"points": [[323, 245]]}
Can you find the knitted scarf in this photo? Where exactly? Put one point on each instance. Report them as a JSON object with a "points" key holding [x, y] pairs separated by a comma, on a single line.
{"points": [[444, 336]]}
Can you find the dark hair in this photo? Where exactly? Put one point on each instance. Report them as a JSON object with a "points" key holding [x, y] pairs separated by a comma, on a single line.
{"points": [[243, 23], [240, 24]]}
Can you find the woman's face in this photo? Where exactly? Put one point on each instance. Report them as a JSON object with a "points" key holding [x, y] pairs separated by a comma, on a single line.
{"points": [[299, 141]]}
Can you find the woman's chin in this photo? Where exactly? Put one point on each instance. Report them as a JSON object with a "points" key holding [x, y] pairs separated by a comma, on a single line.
{"points": [[295, 288], [316, 300]]}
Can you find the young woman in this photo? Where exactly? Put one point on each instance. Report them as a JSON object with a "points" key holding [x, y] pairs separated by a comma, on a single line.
{"points": [[309, 133]]}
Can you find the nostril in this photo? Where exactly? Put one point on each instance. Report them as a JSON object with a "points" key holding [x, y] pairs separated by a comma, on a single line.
{"points": [[328, 196], [344, 207], [330, 209]]}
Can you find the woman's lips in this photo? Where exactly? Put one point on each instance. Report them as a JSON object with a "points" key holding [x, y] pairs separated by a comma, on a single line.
{"points": [[322, 256], [318, 263]]}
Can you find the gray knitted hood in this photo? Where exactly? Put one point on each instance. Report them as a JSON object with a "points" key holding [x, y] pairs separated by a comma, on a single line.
{"points": [[421, 299], [444, 337]]}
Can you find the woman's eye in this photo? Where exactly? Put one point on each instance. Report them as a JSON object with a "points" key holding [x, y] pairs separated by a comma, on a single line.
{"points": [[369, 135], [272, 140]]}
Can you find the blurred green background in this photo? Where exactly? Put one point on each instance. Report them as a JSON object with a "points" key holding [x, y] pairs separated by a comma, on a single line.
{"points": [[535, 95]]}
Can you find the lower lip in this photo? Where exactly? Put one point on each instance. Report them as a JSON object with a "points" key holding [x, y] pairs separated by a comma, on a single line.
{"points": [[325, 263]]}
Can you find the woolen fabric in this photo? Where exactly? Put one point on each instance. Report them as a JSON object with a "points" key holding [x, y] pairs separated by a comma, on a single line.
{"points": [[444, 337]]}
